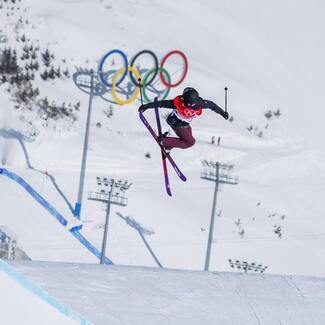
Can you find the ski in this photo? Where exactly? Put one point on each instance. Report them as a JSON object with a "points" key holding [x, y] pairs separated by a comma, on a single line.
{"points": [[167, 155], [163, 156]]}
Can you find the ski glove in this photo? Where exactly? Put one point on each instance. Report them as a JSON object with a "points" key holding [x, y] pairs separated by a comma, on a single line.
{"points": [[143, 107], [225, 115]]}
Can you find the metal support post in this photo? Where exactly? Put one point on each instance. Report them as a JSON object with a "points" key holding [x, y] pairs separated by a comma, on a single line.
{"points": [[106, 223], [211, 172], [213, 213], [77, 210]]}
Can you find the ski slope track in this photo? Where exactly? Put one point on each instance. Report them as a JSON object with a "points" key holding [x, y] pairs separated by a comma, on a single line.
{"points": [[38, 306], [75, 230], [134, 295]]}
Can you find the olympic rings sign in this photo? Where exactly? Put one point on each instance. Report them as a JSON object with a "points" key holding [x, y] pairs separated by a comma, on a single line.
{"points": [[134, 74]]}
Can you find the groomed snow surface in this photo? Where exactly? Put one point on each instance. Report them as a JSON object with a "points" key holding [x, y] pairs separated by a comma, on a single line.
{"points": [[135, 295], [32, 311], [24, 303]]}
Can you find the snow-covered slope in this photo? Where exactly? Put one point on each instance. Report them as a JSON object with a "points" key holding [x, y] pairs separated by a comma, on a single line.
{"points": [[270, 55], [134, 295], [24, 303], [40, 234]]}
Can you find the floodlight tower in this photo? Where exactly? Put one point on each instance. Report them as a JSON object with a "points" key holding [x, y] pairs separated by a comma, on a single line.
{"points": [[247, 267], [85, 149], [88, 82], [214, 171], [110, 191]]}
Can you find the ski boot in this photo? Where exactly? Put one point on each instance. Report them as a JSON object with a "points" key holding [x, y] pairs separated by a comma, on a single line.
{"points": [[162, 136]]}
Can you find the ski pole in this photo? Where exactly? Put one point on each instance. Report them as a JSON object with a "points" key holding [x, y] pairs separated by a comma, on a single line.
{"points": [[226, 89], [140, 85]]}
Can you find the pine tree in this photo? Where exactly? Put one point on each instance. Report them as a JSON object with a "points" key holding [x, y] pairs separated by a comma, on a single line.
{"points": [[52, 73], [45, 75], [77, 106], [277, 113], [58, 72], [47, 58], [268, 114], [22, 95], [27, 76], [34, 55], [8, 62], [26, 48], [35, 66], [44, 107], [66, 73]]}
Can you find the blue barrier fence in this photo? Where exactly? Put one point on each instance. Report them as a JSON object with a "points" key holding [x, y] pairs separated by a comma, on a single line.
{"points": [[51, 300], [74, 231], [35, 195]]}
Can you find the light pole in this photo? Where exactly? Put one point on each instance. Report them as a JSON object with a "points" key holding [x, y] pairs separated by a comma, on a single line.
{"points": [[214, 171], [88, 82], [110, 191], [85, 149]]}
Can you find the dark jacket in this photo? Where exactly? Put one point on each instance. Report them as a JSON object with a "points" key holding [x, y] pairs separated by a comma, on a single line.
{"points": [[174, 121]]}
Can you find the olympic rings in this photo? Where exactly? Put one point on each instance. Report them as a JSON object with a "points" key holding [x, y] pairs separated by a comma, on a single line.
{"points": [[135, 74], [155, 70], [163, 61], [101, 64], [152, 71], [137, 89]]}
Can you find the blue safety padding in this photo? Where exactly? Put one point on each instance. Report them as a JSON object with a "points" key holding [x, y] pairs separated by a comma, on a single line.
{"points": [[77, 210], [56, 214], [76, 228], [36, 196], [87, 244]]}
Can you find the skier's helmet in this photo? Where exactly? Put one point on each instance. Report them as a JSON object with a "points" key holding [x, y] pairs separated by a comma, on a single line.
{"points": [[191, 97]]}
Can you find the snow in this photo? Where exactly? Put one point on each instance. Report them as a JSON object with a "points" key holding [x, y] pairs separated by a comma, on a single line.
{"points": [[40, 235], [270, 55], [138, 295], [19, 306]]}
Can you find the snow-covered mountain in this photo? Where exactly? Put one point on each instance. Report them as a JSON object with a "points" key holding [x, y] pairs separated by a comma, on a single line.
{"points": [[269, 54]]}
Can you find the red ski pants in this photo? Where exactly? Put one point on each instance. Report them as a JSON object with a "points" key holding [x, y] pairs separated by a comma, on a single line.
{"points": [[185, 139]]}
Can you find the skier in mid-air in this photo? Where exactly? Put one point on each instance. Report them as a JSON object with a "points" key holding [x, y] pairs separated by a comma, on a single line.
{"points": [[184, 107]]}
